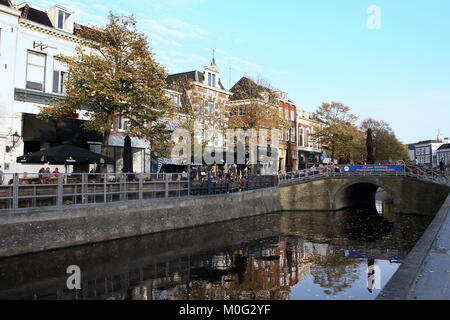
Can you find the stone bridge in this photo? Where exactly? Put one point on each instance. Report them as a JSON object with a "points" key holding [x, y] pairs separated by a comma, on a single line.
{"points": [[406, 194]]}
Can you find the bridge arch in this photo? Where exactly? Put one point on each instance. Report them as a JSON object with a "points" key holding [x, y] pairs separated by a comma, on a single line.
{"points": [[362, 191]]}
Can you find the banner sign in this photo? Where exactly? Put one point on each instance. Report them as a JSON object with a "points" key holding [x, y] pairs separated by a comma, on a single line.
{"points": [[373, 168]]}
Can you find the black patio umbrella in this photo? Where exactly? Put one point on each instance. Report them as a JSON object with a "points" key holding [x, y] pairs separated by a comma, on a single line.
{"points": [[66, 154]]}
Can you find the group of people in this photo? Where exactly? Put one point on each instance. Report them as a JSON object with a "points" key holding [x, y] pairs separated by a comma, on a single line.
{"points": [[231, 176], [45, 175], [320, 169]]}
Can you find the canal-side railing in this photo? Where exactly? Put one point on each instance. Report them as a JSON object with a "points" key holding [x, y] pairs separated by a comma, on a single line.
{"points": [[63, 190], [58, 189], [306, 176]]}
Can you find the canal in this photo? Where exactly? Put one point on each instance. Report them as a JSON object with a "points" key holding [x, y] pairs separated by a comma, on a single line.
{"points": [[348, 254]]}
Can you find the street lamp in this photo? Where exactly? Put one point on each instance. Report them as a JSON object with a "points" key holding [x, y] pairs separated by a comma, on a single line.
{"points": [[15, 138]]}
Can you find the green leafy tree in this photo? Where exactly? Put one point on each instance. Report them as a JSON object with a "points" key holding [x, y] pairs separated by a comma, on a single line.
{"points": [[386, 146], [115, 75], [338, 131]]}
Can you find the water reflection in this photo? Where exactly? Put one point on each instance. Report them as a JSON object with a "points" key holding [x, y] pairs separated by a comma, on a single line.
{"points": [[342, 255]]}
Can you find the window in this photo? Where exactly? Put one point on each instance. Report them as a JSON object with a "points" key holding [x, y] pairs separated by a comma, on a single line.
{"points": [[59, 81], [280, 111], [62, 18], [0, 41], [307, 138], [292, 115], [175, 98], [123, 124], [292, 134], [211, 107], [211, 79], [35, 70], [301, 137]]}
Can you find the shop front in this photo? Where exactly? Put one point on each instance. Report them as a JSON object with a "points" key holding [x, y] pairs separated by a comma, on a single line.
{"points": [[307, 159], [38, 135]]}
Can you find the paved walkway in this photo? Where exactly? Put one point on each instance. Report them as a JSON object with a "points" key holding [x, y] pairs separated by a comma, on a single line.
{"points": [[425, 274], [433, 281]]}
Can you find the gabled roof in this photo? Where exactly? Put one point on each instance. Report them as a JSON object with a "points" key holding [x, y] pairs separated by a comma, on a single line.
{"points": [[428, 141], [35, 15], [5, 3], [444, 146], [246, 88], [191, 76]]}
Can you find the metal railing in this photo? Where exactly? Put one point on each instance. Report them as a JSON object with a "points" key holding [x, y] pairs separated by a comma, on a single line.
{"points": [[63, 190], [50, 190], [419, 173]]}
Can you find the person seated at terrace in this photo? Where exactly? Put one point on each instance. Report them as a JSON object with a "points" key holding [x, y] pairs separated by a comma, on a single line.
{"points": [[24, 179], [55, 173]]}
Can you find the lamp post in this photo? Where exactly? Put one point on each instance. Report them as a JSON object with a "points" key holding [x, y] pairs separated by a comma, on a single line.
{"points": [[15, 138]]}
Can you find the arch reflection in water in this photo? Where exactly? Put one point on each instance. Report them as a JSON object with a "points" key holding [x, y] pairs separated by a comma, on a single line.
{"points": [[298, 255]]}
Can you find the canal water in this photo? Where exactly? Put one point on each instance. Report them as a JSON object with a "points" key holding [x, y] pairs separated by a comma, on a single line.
{"points": [[295, 255]]}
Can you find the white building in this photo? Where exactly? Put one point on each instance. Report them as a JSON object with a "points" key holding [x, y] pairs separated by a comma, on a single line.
{"points": [[443, 154], [30, 77], [310, 150], [426, 152]]}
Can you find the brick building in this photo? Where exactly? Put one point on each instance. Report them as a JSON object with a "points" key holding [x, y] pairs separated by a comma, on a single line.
{"points": [[288, 158], [201, 97]]}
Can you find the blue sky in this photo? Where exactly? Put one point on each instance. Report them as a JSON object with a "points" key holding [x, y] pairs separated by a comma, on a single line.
{"points": [[317, 51]]}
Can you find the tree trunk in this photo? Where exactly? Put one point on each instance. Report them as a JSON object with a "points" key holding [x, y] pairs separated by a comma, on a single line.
{"points": [[105, 144], [332, 153]]}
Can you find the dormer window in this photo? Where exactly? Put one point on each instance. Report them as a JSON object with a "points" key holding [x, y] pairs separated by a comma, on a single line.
{"points": [[62, 19]]}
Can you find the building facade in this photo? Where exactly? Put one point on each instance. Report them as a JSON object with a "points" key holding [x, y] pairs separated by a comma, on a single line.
{"points": [[310, 151], [31, 77], [256, 107], [201, 100], [288, 156], [426, 152], [443, 154]]}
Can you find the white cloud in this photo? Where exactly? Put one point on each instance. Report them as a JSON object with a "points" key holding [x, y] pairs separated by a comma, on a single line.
{"points": [[154, 37], [175, 28]]}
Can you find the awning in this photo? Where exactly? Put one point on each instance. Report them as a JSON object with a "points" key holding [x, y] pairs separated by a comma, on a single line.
{"points": [[65, 154], [59, 130]]}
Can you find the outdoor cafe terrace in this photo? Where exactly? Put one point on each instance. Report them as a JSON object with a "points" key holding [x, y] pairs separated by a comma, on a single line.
{"points": [[60, 189]]}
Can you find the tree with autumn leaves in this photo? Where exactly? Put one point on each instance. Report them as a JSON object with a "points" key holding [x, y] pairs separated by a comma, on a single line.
{"points": [[338, 131], [114, 75], [254, 105], [347, 141]]}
